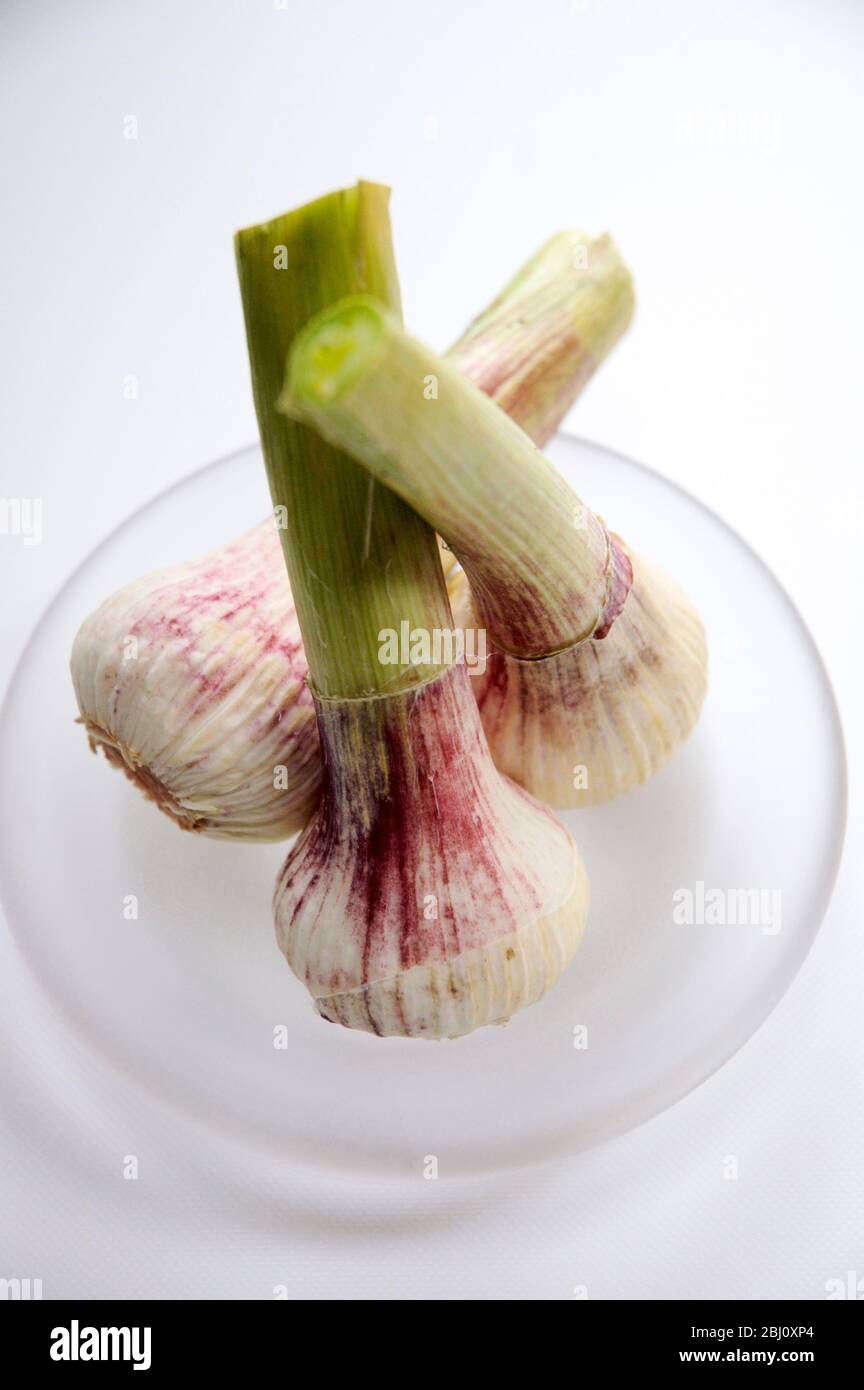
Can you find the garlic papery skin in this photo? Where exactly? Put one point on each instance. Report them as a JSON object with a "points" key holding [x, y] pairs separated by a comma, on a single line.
{"points": [[587, 724], [428, 895], [193, 681]]}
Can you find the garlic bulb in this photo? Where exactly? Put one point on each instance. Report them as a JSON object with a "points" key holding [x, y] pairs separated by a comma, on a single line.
{"points": [[428, 895], [584, 725], [193, 682]]}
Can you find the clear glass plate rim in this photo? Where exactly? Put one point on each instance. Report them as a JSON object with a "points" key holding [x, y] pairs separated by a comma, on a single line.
{"points": [[168, 1104]]}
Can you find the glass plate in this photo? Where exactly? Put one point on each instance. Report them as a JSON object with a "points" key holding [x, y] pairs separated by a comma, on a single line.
{"points": [[186, 999]]}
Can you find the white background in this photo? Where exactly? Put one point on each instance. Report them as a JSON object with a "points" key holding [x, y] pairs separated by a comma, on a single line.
{"points": [[721, 145]]}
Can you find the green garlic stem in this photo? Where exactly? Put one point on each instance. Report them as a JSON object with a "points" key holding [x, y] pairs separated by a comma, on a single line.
{"points": [[359, 559], [542, 566]]}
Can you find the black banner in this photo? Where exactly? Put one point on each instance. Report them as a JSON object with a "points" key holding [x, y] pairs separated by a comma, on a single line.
{"points": [[152, 1339]]}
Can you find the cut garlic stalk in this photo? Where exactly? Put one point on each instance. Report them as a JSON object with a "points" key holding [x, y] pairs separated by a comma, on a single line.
{"points": [[193, 680], [427, 895], [578, 703], [536, 346]]}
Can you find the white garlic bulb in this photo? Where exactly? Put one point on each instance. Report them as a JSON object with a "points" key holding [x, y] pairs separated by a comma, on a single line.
{"points": [[588, 723], [193, 681], [428, 895]]}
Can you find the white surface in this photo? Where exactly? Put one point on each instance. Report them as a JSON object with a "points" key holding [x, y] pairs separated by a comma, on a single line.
{"points": [[720, 144]]}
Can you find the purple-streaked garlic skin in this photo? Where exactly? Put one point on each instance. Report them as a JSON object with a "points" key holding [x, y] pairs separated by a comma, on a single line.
{"points": [[193, 681], [589, 723], [428, 895], [619, 582], [538, 390]]}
